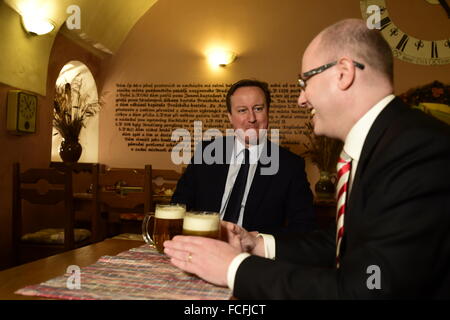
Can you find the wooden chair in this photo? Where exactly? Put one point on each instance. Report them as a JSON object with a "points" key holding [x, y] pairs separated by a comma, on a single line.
{"points": [[42, 191], [124, 193], [87, 213]]}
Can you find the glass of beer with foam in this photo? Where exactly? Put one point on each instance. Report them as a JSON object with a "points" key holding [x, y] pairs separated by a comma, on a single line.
{"points": [[168, 222], [202, 223]]}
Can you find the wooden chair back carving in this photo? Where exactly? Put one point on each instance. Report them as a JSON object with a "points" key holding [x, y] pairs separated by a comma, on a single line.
{"points": [[125, 189], [169, 179], [28, 186]]}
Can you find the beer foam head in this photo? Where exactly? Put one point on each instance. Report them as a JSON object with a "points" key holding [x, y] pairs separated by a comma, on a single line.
{"points": [[170, 212], [200, 221]]}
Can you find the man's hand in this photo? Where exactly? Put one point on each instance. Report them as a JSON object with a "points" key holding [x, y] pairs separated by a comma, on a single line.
{"points": [[207, 258], [241, 239]]}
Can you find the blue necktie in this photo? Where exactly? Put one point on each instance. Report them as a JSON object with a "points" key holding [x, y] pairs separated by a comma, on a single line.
{"points": [[235, 201]]}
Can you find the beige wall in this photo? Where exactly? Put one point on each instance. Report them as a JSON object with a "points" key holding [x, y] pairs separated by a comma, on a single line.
{"points": [[25, 57], [168, 45]]}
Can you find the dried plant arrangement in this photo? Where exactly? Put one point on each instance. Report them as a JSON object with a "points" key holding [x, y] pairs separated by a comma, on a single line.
{"points": [[71, 109], [323, 151]]}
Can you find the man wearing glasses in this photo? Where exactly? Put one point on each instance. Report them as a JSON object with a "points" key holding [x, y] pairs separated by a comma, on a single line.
{"points": [[391, 239]]}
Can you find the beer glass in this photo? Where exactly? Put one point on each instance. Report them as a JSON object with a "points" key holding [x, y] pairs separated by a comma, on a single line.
{"points": [[168, 222], [202, 223]]}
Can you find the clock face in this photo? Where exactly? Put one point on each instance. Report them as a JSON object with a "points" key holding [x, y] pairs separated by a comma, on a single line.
{"points": [[21, 112], [405, 46], [27, 106], [26, 121]]}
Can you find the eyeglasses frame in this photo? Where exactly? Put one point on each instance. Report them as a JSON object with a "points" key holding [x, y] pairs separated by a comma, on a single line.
{"points": [[309, 74]]}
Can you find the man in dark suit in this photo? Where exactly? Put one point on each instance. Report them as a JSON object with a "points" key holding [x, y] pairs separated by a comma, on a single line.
{"points": [[394, 239], [276, 196]]}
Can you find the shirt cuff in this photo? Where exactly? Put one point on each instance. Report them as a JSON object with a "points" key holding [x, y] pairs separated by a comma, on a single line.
{"points": [[232, 268], [269, 252], [269, 245]]}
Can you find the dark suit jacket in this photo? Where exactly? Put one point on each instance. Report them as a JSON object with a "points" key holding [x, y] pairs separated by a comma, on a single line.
{"points": [[275, 203], [398, 219]]}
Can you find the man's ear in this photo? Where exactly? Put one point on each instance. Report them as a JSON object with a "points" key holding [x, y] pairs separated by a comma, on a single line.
{"points": [[347, 71], [229, 117]]}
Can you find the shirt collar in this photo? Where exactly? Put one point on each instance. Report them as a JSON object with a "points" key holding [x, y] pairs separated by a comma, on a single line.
{"points": [[355, 139], [255, 150]]}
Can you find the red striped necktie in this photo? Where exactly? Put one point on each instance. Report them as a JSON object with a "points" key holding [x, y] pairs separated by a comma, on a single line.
{"points": [[344, 166]]}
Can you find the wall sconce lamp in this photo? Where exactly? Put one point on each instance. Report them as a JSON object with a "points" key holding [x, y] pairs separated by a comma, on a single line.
{"points": [[37, 25], [221, 58]]}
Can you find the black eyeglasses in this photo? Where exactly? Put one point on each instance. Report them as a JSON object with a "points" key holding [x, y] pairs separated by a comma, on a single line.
{"points": [[307, 75]]}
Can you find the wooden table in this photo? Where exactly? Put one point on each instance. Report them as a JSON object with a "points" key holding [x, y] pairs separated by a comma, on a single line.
{"points": [[45, 269]]}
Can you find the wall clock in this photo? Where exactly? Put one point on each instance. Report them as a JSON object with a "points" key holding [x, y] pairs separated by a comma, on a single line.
{"points": [[22, 109], [405, 46]]}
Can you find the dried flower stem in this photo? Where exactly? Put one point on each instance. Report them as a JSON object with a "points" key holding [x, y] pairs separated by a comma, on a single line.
{"points": [[323, 151], [71, 109]]}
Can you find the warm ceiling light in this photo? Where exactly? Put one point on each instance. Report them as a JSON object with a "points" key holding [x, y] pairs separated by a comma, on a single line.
{"points": [[221, 57], [37, 25]]}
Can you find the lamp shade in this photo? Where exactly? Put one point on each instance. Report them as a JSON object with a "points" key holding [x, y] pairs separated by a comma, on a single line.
{"points": [[221, 57], [37, 25]]}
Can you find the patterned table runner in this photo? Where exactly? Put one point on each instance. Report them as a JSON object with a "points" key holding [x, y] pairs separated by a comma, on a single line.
{"points": [[137, 274]]}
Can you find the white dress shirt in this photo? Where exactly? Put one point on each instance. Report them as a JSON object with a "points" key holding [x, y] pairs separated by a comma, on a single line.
{"points": [[353, 145]]}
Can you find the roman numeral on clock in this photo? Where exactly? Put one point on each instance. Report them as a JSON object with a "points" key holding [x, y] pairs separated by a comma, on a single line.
{"points": [[385, 22], [402, 43], [434, 51]]}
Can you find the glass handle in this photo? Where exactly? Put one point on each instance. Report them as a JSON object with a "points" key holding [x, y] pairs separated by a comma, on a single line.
{"points": [[145, 234]]}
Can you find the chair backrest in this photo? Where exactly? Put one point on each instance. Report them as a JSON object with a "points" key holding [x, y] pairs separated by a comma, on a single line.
{"points": [[43, 186], [125, 189], [163, 184], [164, 179]]}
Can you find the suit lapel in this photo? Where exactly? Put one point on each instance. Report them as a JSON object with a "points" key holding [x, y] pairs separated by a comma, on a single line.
{"points": [[378, 135], [220, 173]]}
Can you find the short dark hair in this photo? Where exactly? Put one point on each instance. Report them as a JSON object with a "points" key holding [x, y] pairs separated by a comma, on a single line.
{"points": [[264, 86]]}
